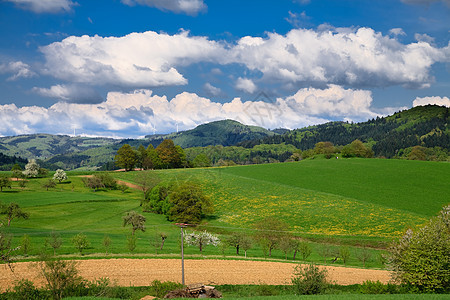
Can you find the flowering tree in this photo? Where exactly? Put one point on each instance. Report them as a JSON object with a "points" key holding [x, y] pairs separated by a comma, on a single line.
{"points": [[31, 169], [201, 239], [60, 175]]}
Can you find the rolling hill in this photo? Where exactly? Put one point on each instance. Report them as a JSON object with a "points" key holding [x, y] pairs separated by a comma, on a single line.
{"points": [[225, 133], [426, 126]]}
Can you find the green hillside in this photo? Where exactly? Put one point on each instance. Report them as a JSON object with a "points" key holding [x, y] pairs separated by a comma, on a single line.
{"points": [[363, 197], [427, 126], [225, 133], [352, 202], [44, 146]]}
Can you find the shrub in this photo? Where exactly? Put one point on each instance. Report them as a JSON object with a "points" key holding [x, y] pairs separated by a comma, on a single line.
{"points": [[309, 280], [160, 289], [61, 276], [25, 290], [422, 259]]}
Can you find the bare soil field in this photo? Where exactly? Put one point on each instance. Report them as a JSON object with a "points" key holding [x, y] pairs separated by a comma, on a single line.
{"points": [[141, 272]]}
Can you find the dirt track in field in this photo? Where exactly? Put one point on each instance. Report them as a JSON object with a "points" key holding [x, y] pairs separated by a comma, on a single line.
{"points": [[128, 184], [141, 272]]}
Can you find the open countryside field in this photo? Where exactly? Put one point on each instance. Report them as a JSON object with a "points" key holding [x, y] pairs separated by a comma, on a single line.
{"points": [[350, 197], [358, 199]]}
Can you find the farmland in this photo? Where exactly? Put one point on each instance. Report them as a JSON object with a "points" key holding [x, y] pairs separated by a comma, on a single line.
{"points": [[365, 200]]}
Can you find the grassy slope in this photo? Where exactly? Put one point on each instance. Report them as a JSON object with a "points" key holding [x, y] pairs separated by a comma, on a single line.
{"points": [[324, 197], [364, 197]]}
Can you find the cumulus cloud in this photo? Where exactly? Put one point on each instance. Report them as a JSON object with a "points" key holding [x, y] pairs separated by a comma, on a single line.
{"points": [[70, 93], [141, 112], [345, 56], [356, 57], [212, 90], [441, 101], [146, 59], [189, 7], [18, 68], [246, 85], [45, 6]]}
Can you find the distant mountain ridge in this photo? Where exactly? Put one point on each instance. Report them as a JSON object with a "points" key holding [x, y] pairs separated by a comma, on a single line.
{"points": [[427, 126], [78, 151]]}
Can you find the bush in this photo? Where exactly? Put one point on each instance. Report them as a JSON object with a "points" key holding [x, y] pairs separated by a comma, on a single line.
{"points": [[61, 276], [309, 280], [25, 290], [160, 289], [377, 287], [422, 259]]}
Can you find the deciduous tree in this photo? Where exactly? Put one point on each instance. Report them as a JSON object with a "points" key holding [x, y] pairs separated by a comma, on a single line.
{"points": [[81, 242], [271, 230], [60, 175], [54, 241], [188, 204], [31, 169], [201, 239], [49, 184], [168, 154], [16, 171], [126, 157], [4, 182], [137, 221], [13, 211]]}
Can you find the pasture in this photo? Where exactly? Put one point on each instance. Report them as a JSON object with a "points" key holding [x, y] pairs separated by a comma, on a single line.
{"points": [[359, 200]]}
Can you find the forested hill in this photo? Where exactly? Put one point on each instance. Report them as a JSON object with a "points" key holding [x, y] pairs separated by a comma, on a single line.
{"points": [[43, 146], [225, 133], [7, 162], [426, 126]]}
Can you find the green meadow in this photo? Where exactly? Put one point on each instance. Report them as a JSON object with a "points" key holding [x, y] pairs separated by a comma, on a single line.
{"points": [[353, 201]]}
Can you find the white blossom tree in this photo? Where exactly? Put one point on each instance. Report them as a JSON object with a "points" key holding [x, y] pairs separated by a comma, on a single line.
{"points": [[60, 175], [31, 169], [201, 239]]}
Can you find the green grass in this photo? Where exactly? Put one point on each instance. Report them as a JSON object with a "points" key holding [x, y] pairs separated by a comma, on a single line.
{"points": [[366, 198], [349, 296], [350, 201]]}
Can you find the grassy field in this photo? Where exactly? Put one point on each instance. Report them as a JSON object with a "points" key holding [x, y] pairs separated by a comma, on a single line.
{"points": [[318, 297], [348, 197], [362, 200]]}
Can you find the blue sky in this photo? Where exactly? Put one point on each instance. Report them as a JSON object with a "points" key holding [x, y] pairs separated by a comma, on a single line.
{"points": [[128, 68]]}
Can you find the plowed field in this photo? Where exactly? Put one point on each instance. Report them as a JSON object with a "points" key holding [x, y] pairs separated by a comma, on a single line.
{"points": [[141, 272]]}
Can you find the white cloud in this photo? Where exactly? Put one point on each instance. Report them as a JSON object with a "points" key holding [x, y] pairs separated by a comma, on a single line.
{"points": [[19, 70], [355, 57], [189, 7], [397, 31], [435, 100], [212, 90], [345, 56], [146, 59], [246, 85], [424, 38], [140, 112], [70, 93], [45, 6]]}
